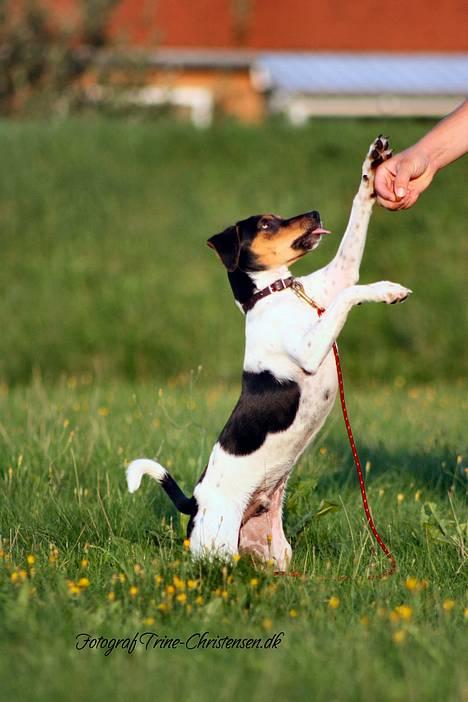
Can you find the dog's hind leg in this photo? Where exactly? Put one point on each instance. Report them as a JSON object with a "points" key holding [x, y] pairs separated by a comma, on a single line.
{"points": [[343, 270], [261, 534]]}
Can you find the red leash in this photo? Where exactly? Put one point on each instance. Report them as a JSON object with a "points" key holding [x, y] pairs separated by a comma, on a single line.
{"points": [[299, 290]]}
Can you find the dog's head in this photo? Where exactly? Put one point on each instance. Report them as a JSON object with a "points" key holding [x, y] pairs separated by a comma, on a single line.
{"points": [[267, 241]]}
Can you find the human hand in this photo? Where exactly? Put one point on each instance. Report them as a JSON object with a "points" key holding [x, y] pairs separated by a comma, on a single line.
{"points": [[400, 180]]}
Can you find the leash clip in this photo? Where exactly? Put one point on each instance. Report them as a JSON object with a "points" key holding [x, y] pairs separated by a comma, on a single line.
{"points": [[298, 289]]}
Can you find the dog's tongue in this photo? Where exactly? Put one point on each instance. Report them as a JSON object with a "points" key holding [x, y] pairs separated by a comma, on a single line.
{"points": [[320, 230]]}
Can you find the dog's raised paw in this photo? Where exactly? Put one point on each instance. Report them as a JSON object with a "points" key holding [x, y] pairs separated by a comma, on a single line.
{"points": [[379, 151], [389, 293]]}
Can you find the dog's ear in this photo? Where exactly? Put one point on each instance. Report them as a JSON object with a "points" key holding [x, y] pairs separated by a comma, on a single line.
{"points": [[227, 246]]}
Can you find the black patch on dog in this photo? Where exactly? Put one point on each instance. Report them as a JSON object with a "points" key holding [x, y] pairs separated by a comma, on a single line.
{"points": [[266, 406], [242, 285]]}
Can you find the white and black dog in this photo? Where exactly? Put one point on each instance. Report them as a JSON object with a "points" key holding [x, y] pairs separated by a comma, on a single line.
{"points": [[289, 380]]}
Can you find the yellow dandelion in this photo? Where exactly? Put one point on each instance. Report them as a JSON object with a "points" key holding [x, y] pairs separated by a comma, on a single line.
{"points": [[399, 636], [170, 590], [103, 411], [66, 422], [412, 583], [217, 592], [236, 558], [22, 574], [84, 582], [158, 579], [225, 594], [122, 577], [149, 621], [448, 605], [364, 620], [14, 577], [254, 582], [111, 596], [163, 607], [267, 624], [400, 498], [417, 495], [186, 544], [334, 602], [192, 584], [137, 569], [403, 612], [182, 598], [465, 612], [31, 560], [133, 591], [293, 613], [73, 588], [84, 563], [178, 582], [199, 600]]}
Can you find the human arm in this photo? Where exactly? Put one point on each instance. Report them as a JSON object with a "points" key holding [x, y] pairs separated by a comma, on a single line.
{"points": [[400, 180]]}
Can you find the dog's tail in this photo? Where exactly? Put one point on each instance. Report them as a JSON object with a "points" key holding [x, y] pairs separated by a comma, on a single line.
{"points": [[144, 466]]}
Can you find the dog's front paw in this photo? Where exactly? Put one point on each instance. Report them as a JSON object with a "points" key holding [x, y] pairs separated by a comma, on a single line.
{"points": [[387, 292], [379, 151]]}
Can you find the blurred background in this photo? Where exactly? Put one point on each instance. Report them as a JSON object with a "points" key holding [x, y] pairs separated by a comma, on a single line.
{"points": [[131, 131]]}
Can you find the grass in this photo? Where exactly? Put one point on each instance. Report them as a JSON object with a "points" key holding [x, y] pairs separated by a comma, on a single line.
{"points": [[64, 502], [105, 264], [109, 300]]}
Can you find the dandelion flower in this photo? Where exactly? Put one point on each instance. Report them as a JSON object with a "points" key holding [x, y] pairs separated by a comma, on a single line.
{"points": [[267, 624], [84, 563], [293, 613], [334, 602], [186, 544], [149, 621], [400, 498], [236, 558], [31, 560], [199, 600], [182, 598], [448, 605], [83, 582], [192, 584], [133, 591], [254, 582], [111, 596], [404, 612], [412, 583], [399, 636]]}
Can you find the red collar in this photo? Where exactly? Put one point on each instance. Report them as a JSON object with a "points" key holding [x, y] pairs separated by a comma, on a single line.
{"points": [[277, 286]]}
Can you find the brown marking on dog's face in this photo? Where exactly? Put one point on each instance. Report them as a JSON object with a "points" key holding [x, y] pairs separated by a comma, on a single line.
{"points": [[267, 241]]}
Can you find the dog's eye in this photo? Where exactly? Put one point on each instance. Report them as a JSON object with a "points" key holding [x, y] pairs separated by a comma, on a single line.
{"points": [[265, 225]]}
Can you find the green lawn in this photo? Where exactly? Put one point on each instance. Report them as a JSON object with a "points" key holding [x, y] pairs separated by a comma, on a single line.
{"points": [[119, 339], [63, 488]]}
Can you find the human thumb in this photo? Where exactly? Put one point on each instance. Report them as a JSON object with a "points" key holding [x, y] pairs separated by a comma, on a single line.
{"points": [[402, 179]]}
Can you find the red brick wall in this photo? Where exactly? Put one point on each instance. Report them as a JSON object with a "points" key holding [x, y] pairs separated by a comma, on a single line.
{"points": [[347, 25]]}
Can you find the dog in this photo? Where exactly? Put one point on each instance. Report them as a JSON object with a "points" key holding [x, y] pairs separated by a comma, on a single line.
{"points": [[289, 380]]}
